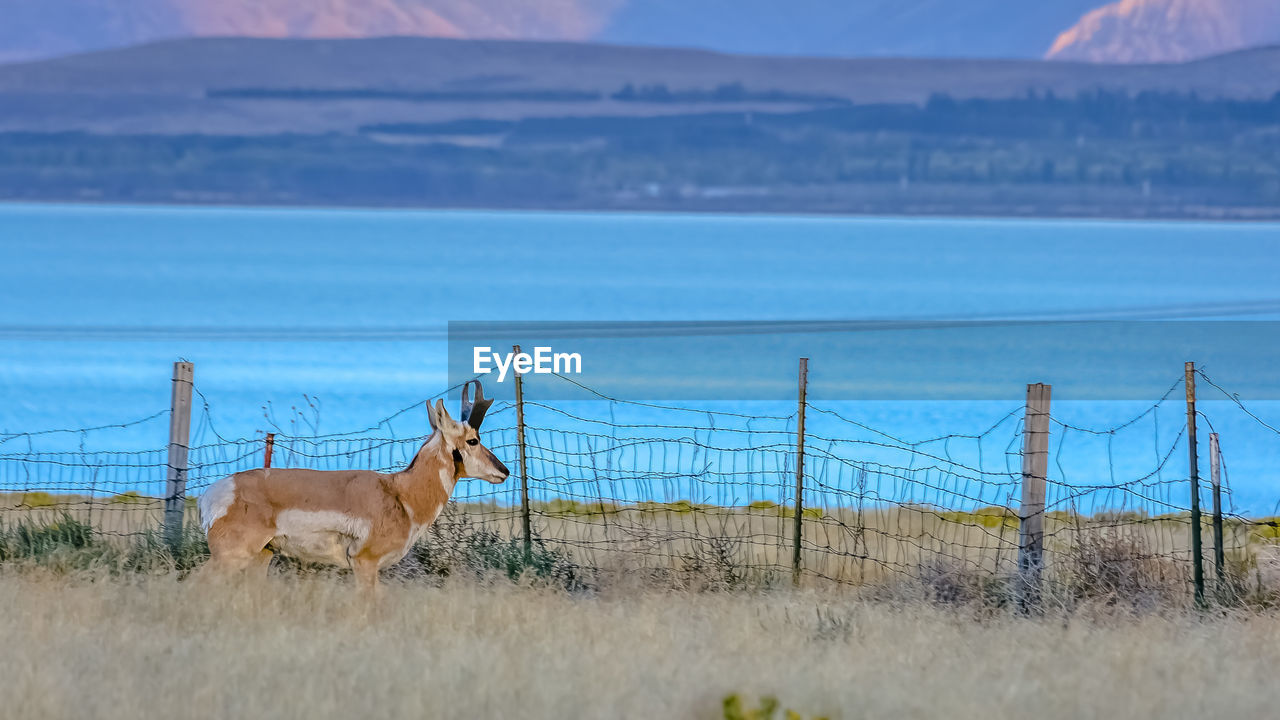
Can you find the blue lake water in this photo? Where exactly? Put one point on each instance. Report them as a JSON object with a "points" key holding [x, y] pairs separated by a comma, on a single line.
{"points": [[350, 306]]}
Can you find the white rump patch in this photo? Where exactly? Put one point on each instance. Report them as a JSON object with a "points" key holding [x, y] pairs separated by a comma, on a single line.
{"points": [[215, 501], [324, 536]]}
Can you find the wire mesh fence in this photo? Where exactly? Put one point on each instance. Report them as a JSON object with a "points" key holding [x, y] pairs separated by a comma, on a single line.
{"points": [[709, 494]]}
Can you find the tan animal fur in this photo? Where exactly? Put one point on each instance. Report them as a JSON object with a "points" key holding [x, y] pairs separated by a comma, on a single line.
{"points": [[359, 519]]}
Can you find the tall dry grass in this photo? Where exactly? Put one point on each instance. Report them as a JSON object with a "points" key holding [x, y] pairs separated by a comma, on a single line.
{"points": [[841, 544], [86, 645]]}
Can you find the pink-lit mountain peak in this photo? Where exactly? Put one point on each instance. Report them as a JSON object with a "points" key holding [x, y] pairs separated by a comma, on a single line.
{"points": [[40, 28], [1168, 30]]}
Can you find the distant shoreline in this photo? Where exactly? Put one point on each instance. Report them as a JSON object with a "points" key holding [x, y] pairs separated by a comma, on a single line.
{"points": [[1272, 218]]}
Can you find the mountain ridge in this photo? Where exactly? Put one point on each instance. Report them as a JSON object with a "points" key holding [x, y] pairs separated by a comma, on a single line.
{"points": [[976, 28], [1122, 31]]}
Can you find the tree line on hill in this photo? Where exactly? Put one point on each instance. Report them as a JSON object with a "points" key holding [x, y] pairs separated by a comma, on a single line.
{"points": [[658, 93]]}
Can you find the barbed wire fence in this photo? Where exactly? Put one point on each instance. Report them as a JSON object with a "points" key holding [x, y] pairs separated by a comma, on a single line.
{"points": [[706, 496]]}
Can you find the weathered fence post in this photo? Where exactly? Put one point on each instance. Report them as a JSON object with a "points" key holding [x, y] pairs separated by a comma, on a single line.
{"points": [[526, 524], [799, 519], [179, 444], [1197, 556], [1035, 470], [266, 453], [1215, 478]]}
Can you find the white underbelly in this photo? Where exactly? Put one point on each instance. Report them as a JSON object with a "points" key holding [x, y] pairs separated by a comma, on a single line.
{"points": [[320, 536], [329, 548]]}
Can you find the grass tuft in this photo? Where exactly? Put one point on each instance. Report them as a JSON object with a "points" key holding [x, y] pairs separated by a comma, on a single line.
{"points": [[1117, 568], [27, 540], [66, 544], [457, 545]]}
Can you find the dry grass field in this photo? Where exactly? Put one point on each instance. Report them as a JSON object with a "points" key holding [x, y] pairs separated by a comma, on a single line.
{"points": [[636, 612], [752, 545], [84, 645]]}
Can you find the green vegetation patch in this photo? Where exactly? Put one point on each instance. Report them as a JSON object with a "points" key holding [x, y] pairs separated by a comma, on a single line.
{"points": [[560, 506], [38, 499], [991, 516], [132, 497], [813, 513], [1267, 529], [734, 708], [678, 506], [1120, 516]]}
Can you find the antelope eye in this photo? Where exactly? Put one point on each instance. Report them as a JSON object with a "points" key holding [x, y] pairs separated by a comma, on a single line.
{"points": [[473, 441]]}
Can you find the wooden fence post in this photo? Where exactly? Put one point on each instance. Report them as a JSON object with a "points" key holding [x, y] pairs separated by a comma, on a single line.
{"points": [[266, 454], [1215, 478], [526, 522], [1035, 470], [796, 559], [1197, 556], [179, 446]]}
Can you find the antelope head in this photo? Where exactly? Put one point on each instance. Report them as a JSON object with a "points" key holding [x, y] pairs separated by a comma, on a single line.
{"points": [[461, 437]]}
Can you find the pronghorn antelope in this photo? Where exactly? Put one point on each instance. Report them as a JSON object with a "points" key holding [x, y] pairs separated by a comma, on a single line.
{"points": [[359, 519]]}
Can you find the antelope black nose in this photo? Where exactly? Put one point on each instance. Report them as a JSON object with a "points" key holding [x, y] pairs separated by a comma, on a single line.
{"points": [[497, 464]]}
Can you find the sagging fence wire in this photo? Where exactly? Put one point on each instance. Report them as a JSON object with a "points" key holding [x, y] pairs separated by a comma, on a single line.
{"points": [[686, 492]]}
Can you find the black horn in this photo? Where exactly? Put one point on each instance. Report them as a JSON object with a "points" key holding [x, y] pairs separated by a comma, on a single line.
{"points": [[473, 412]]}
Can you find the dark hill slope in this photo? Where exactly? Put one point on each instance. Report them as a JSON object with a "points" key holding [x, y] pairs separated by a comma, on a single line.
{"points": [[181, 86]]}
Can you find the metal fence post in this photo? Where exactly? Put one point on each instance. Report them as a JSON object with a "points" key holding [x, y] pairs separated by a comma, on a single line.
{"points": [[1035, 469], [1215, 478], [796, 560], [179, 446], [266, 453], [1197, 556], [526, 523]]}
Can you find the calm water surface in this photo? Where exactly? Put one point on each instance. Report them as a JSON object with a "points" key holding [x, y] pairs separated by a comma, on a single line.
{"points": [[97, 302]]}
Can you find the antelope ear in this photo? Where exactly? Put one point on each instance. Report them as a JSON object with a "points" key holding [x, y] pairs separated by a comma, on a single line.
{"points": [[442, 415], [437, 415]]}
